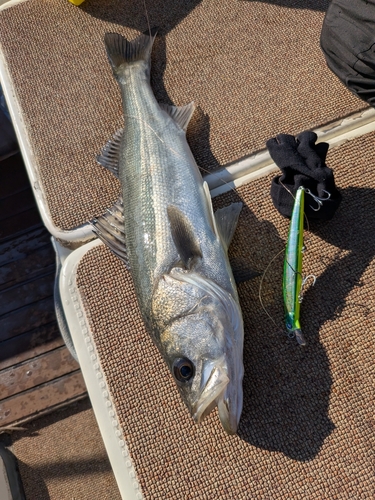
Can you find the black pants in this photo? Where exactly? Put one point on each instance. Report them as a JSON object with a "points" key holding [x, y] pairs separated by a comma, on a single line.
{"points": [[348, 43]]}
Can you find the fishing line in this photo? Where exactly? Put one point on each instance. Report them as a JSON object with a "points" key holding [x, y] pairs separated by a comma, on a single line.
{"points": [[156, 135], [149, 126], [173, 151], [148, 21], [261, 285], [10, 428]]}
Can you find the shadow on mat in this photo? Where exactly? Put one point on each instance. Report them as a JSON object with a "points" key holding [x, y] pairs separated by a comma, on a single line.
{"points": [[33, 483], [34, 478], [287, 388], [351, 230], [32, 428], [321, 5], [165, 14]]}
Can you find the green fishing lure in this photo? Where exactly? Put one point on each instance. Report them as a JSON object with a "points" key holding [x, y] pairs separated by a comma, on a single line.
{"points": [[292, 277]]}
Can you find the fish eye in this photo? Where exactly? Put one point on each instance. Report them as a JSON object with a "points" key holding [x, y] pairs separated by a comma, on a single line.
{"points": [[183, 369]]}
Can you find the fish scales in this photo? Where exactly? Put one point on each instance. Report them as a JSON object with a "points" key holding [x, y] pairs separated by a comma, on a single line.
{"points": [[157, 164]]}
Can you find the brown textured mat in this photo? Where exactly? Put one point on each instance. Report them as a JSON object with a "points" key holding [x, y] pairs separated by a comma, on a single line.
{"points": [[307, 429], [254, 68], [62, 457]]}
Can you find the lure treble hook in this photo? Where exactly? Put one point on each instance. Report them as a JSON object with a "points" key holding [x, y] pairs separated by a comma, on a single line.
{"points": [[318, 199], [303, 283]]}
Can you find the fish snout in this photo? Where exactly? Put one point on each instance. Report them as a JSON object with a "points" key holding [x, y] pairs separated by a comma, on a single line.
{"points": [[213, 384], [230, 409], [231, 401]]}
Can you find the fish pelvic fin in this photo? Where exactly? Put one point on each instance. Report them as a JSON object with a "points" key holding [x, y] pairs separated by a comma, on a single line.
{"points": [[121, 52], [183, 237], [180, 114], [109, 228], [226, 222]]}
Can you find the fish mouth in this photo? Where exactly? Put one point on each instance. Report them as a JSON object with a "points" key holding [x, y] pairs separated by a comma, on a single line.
{"points": [[230, 402], [230, 409], [214, 382], [219, 390]]}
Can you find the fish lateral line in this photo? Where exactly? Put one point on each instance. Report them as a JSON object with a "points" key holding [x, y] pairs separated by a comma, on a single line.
{"points": [[155, 133]]}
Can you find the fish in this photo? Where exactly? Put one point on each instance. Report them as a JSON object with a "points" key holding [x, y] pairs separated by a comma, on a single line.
{"points": [[176, 248], [292, 275]]}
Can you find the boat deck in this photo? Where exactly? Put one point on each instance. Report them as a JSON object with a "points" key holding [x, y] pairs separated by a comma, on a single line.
{"points": [[37, 372]]}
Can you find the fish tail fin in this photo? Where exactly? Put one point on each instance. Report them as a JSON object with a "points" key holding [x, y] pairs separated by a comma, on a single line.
{"points": [[121, 52]]}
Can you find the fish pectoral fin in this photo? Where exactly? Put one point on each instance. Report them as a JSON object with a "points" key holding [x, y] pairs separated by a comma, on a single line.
{"points": [[110, 155], [180, 114], [109, 227], [187, 246], [241, 271], [226, 222]]}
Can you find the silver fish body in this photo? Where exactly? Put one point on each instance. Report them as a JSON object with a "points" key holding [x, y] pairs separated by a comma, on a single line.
{"points": [[176, 247]]}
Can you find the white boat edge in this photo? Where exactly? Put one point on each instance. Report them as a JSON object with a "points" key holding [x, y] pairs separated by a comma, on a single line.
{"points": [[99, 393]]}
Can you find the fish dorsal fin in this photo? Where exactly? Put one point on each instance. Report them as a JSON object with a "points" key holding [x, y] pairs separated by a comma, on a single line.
{"points": [[187, 246], [211, 214], [180, 114], [226, 222], [110, 155], [109, 227]]}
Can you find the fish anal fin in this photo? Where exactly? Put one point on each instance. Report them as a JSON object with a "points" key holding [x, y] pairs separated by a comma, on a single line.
{"points": [[183, 237], [226, 222], [109, 227], [180, 114], [110, 155]]}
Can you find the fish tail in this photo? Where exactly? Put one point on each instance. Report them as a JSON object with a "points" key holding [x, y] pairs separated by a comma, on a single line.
{"points": [[121, 52]]}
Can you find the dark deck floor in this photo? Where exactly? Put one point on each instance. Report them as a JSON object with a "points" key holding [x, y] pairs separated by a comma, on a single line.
{"points": [[37, 373]]}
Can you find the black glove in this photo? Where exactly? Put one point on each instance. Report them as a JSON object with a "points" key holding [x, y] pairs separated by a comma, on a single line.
{"points": [[302, 163]]}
